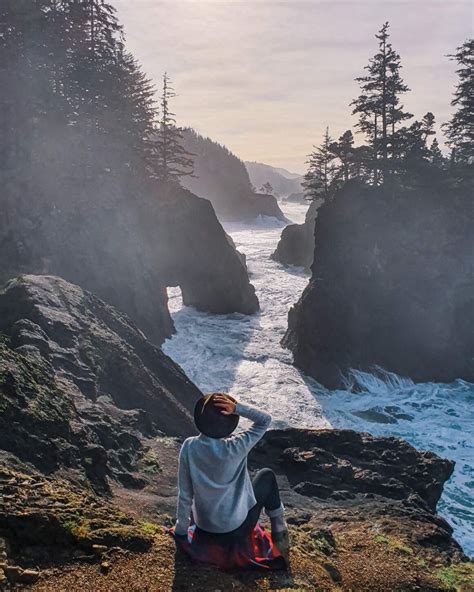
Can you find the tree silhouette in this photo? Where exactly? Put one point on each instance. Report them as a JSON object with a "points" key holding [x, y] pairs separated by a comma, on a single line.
{"points": [[321, 170], [460, 129], [378, 106], [172, 160], [343, 149]]}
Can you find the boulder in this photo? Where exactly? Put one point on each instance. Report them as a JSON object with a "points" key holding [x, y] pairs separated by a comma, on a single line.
{"points": [[296, 245], [80, 385], [334, 465]]}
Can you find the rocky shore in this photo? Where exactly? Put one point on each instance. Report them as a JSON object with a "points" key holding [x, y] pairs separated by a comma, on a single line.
{"points": [[361, 514], [92, 417]]}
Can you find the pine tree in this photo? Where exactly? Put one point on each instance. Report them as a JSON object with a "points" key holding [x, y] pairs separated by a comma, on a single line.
{"points": [[172, 160], [318, 181], [343, 149], [378, 106], [412, 142], [460, 129], [435, 155]]}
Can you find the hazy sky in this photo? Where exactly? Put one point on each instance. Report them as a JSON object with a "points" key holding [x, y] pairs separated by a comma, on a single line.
{"points": [[265, 77]]}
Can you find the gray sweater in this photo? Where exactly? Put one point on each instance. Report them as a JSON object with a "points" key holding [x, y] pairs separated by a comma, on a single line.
{"points": [[213, 480]]}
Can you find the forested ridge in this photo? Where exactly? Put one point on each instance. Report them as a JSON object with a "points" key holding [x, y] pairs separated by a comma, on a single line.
{"points": [[221, 176]]}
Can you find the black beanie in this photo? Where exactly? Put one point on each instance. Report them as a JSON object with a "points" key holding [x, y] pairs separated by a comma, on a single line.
{"points": [[210, 421]]}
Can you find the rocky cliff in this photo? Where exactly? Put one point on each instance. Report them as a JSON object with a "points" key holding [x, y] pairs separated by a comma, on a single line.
{"points": [[127, 248], [296, 245], [222, 178], [392, 286], [81, 389]]}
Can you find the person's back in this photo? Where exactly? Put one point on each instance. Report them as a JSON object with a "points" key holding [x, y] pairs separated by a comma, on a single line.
{"points": [[214, 483]]}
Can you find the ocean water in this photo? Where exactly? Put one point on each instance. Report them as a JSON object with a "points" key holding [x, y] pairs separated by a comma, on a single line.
{"points": [[242, 355]]}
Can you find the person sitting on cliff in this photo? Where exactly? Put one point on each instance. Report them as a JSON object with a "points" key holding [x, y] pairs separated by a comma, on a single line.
{"points": [[213, 480]]}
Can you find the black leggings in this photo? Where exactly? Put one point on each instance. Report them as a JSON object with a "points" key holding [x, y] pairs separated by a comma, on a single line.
{"points": [[266, 493]]}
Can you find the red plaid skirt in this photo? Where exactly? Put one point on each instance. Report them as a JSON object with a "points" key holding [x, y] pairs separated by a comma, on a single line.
{"points": [[256, 550]]}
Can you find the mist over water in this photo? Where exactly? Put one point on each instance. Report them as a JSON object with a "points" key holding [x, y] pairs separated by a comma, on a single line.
{"points": [[242, 355]]}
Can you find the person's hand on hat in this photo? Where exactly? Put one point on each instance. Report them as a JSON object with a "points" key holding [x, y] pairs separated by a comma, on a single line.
{"points": [[225, 404]]}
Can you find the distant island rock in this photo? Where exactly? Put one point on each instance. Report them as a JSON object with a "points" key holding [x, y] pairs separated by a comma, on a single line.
{"points": [[392, 286], [221, 177], [283, 182]]}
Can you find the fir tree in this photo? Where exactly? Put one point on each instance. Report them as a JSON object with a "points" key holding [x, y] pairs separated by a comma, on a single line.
{"points": [[318, 181], [172, 160], [412, 141], [435, 155], [343, 149], [460, 129], [378, 106]]}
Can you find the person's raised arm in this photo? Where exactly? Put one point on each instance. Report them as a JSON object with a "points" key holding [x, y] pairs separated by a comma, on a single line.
{"points": [[185, 494], [245, 440]]}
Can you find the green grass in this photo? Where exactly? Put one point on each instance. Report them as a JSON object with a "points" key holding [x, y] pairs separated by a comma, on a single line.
{"points": [[394, 544], [150, 528], [459, 576]]}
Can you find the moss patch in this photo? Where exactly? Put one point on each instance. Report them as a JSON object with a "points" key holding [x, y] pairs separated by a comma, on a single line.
{"points": [[459, 576], [394, 543]]}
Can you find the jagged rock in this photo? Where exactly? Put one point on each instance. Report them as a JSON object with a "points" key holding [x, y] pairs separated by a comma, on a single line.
{"points": [[127, 250], [391, 286], [296, 245], [331, 476], [29, 576], [80, 386], [99, 549], [323, 463]]}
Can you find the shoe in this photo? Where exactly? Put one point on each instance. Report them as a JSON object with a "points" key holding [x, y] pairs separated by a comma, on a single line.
{"points": [[282, 543]]}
